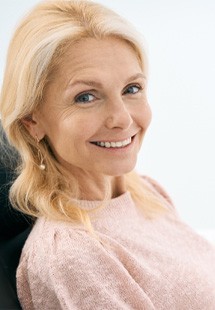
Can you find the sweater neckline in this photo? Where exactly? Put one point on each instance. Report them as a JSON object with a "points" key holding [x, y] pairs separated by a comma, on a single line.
{"points": [[121, 200]]}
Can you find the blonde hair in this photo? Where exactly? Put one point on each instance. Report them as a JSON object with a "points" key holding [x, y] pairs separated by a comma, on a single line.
{"points": [[34, 53]]}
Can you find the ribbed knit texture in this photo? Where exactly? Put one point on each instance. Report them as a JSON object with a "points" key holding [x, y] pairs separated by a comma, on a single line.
{"points": [[141, 264]]}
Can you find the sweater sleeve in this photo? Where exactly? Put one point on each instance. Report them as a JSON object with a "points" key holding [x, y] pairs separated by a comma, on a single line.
{"points": [[65, 275]]}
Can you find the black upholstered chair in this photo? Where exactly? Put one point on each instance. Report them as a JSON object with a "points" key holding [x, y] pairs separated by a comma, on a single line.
{"points": [[14, 229]]}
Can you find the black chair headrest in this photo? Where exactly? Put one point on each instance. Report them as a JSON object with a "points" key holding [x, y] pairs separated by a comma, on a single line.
{"points": [[12, 222]]}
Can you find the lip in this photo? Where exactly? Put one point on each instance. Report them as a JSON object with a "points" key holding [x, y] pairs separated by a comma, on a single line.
{"points": [[114, 139]]}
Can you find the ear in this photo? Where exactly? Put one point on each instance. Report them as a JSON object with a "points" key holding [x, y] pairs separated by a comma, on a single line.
{"points": [[32, 124]]}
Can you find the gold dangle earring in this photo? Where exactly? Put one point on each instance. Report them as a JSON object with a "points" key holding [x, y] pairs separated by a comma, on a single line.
{"points": [[40, 156]]}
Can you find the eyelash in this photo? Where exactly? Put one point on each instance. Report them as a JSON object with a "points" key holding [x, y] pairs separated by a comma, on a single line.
{"points": [[77, 98], [135, 85]]}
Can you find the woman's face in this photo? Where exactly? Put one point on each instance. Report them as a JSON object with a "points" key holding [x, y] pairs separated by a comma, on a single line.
{"points": [[95, 111]]}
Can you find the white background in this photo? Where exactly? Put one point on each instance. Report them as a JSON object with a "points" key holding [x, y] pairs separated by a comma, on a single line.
{"points": [[179, 148]]}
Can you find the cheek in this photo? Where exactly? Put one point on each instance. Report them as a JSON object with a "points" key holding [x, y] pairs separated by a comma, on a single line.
{"points": [[75, 131], [144, 116]]}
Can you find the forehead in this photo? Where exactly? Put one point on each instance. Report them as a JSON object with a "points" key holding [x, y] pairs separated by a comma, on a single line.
{"points": [[90, 43], [98, 54]]}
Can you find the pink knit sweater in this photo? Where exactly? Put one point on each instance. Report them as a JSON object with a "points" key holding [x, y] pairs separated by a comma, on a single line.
{"points": [[140, 264]]}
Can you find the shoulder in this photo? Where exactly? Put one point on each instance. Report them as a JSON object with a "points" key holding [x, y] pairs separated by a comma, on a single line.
{"points": [[51, 249], [53, 245], [49, 237], [60, 261]]}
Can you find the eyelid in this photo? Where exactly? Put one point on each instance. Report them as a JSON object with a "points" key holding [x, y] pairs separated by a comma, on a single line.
{"points": [[87, 92], [135, 84], [138, 85]]}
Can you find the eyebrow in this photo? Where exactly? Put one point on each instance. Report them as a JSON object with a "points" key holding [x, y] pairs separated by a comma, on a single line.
{"points": [[97, 84]]}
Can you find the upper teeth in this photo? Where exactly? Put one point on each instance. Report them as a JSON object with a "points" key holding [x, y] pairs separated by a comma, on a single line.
{"points": [[115, 144]]}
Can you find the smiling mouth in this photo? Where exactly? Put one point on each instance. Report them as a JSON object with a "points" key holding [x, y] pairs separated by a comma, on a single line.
{"points": [[116, 144]]}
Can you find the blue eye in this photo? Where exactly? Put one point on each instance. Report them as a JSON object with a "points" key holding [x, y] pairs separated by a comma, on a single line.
{"points": [[86, 97], [133, 89]]}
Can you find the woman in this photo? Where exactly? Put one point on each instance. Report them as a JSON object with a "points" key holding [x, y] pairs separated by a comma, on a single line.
{"points": [[74, 105]]}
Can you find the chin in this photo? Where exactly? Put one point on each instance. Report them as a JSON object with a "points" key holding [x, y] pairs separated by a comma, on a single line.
{"points": [[120, 170]]}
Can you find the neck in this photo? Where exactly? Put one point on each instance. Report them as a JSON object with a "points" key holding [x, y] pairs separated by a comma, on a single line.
{"points": [[100, 187]]}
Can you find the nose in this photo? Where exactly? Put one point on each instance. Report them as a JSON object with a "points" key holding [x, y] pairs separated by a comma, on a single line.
{"points": [[118, 115]]}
